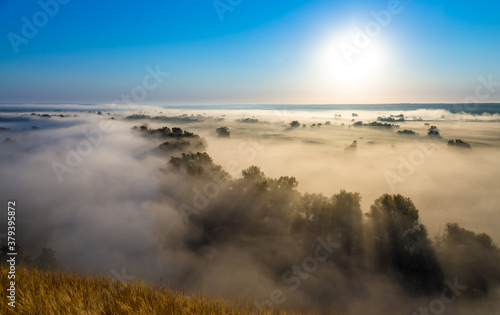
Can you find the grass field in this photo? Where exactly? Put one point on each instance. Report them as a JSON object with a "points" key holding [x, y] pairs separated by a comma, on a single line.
{"points": [[55, 292]]}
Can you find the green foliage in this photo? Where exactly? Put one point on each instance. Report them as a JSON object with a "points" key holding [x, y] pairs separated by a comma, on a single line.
{"points": [[138, 117], [164, 132], [175, 146], [407, 132], [472, 257], [392, 118], [253, 173], [248, 120], [394, 209], [384, 125], [265, 215], [197, 164], [459, 144], [223, 132], [175, 136], [433, 132], [401, 243], [375, 124]]}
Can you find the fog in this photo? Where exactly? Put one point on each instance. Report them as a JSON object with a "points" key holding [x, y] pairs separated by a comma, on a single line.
{"points": [[121, 204], [445, 185]]}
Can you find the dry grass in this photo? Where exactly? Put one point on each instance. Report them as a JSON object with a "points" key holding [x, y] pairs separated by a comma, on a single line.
{"points": [[48, 292]]}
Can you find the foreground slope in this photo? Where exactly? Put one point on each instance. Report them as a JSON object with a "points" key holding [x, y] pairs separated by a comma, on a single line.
{"points": [[56, 292]]}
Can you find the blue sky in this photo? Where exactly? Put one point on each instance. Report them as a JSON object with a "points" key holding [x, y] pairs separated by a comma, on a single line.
{"points": [[243, 52]]}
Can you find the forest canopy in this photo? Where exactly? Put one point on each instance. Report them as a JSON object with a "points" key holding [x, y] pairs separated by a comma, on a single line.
{"points": [[272, 221]]}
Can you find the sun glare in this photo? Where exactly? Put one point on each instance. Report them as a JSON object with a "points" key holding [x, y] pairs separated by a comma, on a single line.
{"points": [[350, 67]]}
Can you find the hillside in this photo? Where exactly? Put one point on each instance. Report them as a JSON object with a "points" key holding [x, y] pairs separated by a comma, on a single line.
{"points": [[53, 292]]}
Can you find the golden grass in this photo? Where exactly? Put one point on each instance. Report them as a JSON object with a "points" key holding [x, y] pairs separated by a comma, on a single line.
{"points": [[56, 292]]}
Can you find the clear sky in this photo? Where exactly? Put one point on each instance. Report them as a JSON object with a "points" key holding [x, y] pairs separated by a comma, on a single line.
{"points": [[248, 52]]}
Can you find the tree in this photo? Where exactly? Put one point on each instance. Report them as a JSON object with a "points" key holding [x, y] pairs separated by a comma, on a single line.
{"points": [[459, 144], [253, 173], [47, 260], [463, 253], [407, 132], [99, 113], [198, 164], [434, 132], [177, 131], [287, 183], [295, 124], [353, 146], [223, 132], [349, 219], [402, 244], [9, 141]]}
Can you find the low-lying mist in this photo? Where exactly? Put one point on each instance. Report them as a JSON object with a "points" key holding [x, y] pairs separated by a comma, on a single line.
{"points": [[281, 214]]}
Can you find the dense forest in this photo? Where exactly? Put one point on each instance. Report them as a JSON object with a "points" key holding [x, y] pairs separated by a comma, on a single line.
{"points": [[275, 224]]}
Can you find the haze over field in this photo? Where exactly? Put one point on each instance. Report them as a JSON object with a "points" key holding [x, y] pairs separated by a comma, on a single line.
{"points": [[104, 196]]}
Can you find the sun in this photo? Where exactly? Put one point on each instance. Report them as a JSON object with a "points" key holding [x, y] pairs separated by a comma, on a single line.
{"points": [[360, 66]]}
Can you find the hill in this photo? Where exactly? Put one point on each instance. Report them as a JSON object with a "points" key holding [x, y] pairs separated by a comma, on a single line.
{"points": [[57, 292]]}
